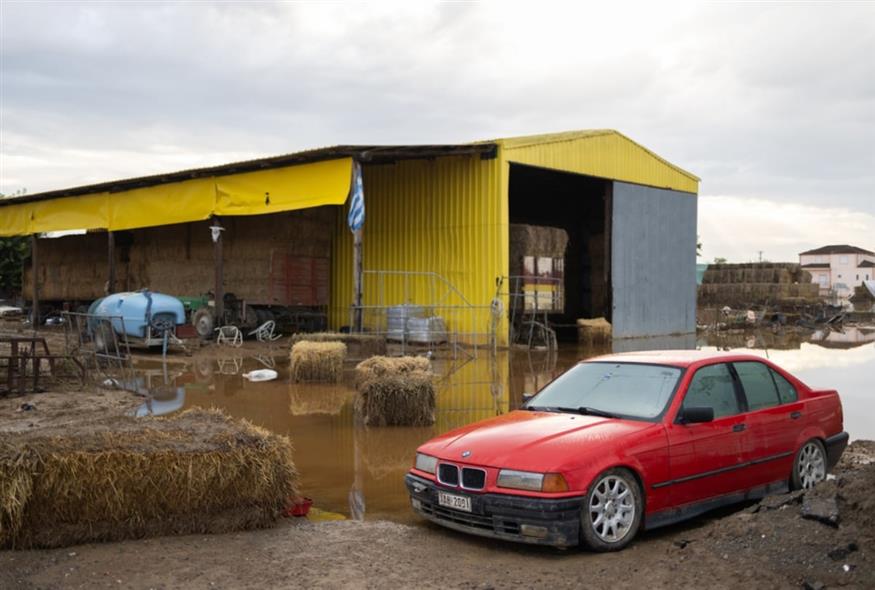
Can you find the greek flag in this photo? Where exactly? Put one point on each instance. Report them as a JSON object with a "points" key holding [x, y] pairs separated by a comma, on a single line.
{"points": [[356, 216]]}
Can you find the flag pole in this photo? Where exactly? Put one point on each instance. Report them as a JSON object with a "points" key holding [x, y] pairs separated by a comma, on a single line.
{"points": [[357, 236], [356, 221]]}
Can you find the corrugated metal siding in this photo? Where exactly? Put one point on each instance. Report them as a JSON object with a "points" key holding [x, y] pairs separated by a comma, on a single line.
{"points": [[443, 216], [605, 154], [653, 261]]}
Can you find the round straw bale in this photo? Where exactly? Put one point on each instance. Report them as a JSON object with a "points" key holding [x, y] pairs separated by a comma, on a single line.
{"points": [[317, 361]]}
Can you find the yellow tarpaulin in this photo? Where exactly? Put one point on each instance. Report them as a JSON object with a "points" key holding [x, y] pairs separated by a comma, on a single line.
{"points": [[250, 193], [284, 189]]}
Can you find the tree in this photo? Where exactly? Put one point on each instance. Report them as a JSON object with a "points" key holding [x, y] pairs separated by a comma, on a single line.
{"points": [[13, 252], [698, 246], [719, 260]]}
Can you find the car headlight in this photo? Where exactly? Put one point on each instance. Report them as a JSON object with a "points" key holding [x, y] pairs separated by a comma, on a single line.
{"points": [[535, 482], [426, 463]]}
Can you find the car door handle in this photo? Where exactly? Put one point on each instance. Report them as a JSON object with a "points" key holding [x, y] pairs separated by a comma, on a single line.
{"points": [[795, 415], [738, 427]]}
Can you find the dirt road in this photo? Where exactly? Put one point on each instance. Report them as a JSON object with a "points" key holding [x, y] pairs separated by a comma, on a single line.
{"points": [[766, 545]]}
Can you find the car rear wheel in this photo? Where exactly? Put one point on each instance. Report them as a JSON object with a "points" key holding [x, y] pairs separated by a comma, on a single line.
{"points": [[612, 511], [809, 467]]}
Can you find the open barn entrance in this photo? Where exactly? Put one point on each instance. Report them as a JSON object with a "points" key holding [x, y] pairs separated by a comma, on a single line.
{"points": [[580, 205]]}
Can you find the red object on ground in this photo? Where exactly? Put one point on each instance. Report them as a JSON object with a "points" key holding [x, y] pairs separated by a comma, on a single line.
{"points": [[186, 331], [300, 507], [629, 441]]}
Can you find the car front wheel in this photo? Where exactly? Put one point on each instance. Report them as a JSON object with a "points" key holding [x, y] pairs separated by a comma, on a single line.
{"points": [[809, 467], [612, 511]]}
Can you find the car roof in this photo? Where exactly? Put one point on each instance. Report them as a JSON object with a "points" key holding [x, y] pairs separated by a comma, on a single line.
{"points": [[677, 358]]}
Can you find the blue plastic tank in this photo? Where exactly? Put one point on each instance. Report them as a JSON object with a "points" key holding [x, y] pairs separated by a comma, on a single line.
{"points": [[131, 313]]}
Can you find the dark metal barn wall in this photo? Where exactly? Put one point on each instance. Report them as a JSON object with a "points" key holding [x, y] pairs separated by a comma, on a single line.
{"points": [[653, 261]]}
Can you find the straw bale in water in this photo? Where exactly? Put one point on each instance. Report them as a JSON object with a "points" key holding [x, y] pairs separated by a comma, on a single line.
{"points": [[124, 477], [317, 361], [317, 398], [358, 345], [395, 391], [593, 331]]}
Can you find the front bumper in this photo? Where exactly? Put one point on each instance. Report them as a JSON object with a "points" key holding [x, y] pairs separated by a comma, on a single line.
{"points": [[537, 521]]}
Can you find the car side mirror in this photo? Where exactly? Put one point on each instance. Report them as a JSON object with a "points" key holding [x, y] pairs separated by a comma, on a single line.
{"points": [[696, 414], [527, 398]]}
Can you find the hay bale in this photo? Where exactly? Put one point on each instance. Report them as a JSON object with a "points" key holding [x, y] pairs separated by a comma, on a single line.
{"points": [[317, 361], [593, 331], [395, 391], [317, 398], [359, 346], [125, 478]]}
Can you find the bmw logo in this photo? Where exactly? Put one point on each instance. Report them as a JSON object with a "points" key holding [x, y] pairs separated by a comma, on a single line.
{"points": [[466, 454]]}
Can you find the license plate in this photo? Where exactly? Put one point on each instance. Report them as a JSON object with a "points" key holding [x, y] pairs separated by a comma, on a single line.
{"points": [[455, 502]]}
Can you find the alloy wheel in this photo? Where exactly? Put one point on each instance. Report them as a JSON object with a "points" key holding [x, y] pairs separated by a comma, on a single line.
{"points": [[811, 465], [612, 508]]}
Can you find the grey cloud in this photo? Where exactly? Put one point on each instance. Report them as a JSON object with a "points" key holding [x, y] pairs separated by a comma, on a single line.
{"points": [[774, 102]]}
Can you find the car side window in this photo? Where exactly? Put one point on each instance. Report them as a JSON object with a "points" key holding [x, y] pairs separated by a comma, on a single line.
{"points": [[786, 392], [759, 387], [712, 387]]}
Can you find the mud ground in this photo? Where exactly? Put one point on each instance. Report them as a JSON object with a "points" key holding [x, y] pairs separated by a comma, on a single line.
{"points": [[763, 545]]}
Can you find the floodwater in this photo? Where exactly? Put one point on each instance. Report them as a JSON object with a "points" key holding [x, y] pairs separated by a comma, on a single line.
{"points": [[358, 472]]}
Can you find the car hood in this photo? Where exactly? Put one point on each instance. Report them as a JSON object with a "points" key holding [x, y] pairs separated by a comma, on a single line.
{"points": [[532, 441]]}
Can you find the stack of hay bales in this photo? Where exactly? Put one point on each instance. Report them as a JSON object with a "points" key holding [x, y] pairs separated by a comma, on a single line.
{"points": [[757, 283], [593, 332], [535, 240], [125, 478], [360, 346], [317, 361], [395, 391]]}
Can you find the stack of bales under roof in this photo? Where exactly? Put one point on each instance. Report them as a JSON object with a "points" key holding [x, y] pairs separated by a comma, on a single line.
{"points": [[535, 240], [395, 391], [757, 283], [124, 477]]}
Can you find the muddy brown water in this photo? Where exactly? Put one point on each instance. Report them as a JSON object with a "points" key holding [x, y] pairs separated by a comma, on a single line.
{"points": [[358, 472]]}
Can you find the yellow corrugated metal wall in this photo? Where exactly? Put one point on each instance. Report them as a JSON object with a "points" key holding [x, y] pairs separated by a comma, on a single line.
{"points": [[605, 154], [444, 215]]}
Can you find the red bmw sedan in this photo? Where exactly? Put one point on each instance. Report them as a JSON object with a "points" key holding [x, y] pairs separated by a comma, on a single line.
{"points": [[630, 441]]}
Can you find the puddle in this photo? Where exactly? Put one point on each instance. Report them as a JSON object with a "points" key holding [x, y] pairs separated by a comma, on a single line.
{"points": [[358, 472]]}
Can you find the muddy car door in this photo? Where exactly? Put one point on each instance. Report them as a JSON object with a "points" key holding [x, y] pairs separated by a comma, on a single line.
{"points": [[773, 419], [707, 458]]}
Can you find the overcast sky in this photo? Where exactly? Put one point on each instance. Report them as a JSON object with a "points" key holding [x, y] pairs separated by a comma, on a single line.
{"points": [[772, 105]]}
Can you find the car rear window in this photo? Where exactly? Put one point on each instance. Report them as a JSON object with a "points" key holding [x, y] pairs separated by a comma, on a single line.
{"points": [[632, 390], [786, 391], [758, 385]]}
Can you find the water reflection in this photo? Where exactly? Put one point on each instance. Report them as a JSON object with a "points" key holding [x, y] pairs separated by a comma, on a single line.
{"points": [[358, 471]]}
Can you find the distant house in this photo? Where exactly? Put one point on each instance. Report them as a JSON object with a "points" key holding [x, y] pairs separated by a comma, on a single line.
{"points": [[839, 267]]}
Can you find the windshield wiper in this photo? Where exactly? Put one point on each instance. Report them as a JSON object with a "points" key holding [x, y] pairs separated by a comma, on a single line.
{"points": [[578, 410], [589, 412]]}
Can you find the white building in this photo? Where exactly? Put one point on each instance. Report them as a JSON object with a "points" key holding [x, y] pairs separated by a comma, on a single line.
{"points": [[839, 267]]}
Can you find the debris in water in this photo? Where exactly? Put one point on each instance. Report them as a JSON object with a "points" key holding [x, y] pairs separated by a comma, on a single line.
{"points": [[261, 375]]}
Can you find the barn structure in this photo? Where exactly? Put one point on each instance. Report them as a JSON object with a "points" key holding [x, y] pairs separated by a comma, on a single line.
{"points": [[273, 232]]}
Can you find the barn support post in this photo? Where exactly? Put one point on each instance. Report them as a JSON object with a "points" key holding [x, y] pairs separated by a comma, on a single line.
{"points": [[35, 279], [219, 293], [357, 238], [110, 251]]}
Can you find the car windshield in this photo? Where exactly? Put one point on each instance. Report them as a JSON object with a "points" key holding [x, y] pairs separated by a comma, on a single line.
{"points": [[627, 390]]}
